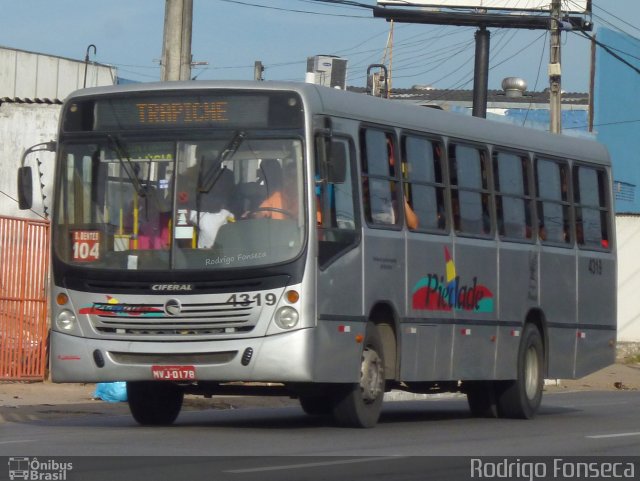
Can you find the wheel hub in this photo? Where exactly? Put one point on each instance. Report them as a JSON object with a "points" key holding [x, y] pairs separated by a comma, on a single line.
{"points": [[372, 376]]}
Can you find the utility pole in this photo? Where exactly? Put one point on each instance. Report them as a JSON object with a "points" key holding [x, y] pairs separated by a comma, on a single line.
{"points": [[481, 73], [176, 44], [487, 18], [555, 71], [258, 70]]}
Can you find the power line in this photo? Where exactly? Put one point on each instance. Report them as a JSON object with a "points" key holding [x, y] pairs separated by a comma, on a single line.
{"points": [[535, 87], [617, 18], [346, 2], [16, 201], [618, 122], [247, 4], [607, 49]]}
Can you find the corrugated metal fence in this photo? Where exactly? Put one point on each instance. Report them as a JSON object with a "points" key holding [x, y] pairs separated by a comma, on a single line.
{"points": [[24, 265]]}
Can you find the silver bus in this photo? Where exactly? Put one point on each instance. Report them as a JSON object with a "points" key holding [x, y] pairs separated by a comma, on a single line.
{"points": [[256, 237]]}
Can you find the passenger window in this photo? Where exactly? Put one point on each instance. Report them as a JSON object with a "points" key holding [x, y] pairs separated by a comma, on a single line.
{"points": [[592, 215], [380, 189], [552, 187], [423, 181], [470, 198], [513, 202]]}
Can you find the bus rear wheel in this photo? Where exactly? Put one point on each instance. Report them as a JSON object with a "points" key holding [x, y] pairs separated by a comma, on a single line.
{"points": [[359, 405], [521, 398], [154, 403]]}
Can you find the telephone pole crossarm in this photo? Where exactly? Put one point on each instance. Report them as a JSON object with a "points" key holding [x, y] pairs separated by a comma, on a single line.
{"points": [[486, 20]]}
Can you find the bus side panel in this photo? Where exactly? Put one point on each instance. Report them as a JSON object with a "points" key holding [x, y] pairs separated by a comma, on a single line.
{"points": [[558, 295], [339, 300], [426, 342], [384, 270], [339, 286], [596, 307], [518, 292], [474, 352], [595, 350], [418, 355], [337, 354], [475, 282]]}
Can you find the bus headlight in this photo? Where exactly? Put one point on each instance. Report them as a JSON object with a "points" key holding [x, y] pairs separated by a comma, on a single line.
{"points": [[66, 321], [286, 317]]}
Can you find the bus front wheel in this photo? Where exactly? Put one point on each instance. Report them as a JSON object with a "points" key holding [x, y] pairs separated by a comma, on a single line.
{"points": [[154, 403], [359, 405], [521, 398]]}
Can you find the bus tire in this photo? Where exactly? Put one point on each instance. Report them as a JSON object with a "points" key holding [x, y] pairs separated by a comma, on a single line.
{"points": [[316, 405], [521, 398], [481, 396], [359, 405], [154, 403]]}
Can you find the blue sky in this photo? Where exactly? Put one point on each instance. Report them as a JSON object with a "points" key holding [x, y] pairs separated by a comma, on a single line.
{"points": [[231, 36]]}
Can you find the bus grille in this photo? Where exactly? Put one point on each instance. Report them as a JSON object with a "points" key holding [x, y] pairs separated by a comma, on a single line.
{"points": [[195, 319]]}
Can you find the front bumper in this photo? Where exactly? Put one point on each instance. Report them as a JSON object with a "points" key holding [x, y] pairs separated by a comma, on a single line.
{"points": [[286, 357]]}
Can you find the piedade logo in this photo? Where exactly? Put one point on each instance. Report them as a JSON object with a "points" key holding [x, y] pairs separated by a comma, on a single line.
{"points": [[172, 287]]}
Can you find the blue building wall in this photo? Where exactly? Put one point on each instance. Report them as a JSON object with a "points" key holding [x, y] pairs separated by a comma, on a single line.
{"points": [[617, 114], [574, 122]]}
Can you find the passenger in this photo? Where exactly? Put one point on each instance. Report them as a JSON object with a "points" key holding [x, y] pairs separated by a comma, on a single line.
{"points": [[212, 213], [542, 232], [275, 205], [409, 214]]}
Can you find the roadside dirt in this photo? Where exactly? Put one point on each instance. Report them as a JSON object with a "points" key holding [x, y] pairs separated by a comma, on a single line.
{"points": [[617, 377]]}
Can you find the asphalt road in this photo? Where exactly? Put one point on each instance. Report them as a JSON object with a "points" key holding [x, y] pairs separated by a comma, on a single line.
{"points": [[283, 443]]}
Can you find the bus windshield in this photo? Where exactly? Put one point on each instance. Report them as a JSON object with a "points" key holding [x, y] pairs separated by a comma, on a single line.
{"points": [[171, 205]]}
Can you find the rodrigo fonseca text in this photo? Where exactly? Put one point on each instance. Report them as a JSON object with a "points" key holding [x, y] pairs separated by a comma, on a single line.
{"points": [[551, 468]]}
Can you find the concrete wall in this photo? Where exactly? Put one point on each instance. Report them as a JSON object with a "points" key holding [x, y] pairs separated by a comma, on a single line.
{"points": [[21, 126], [628, 237], [32, 82], [28, 75]]}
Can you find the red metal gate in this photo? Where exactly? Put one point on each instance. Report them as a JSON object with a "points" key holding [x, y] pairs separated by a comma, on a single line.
{"points": [[24, 272]]}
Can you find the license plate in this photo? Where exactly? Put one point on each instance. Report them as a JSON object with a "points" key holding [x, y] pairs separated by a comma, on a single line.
{"points": [[173, 373]]}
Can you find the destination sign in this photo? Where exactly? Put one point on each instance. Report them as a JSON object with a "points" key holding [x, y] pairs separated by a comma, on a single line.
{"points": [[184, 110]]}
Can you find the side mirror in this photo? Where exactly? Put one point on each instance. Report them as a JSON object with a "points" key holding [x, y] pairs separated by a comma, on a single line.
{"points": [[25, 188], [25, 176]]}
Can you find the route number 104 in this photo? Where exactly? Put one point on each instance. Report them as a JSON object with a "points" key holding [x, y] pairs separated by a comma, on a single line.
{"points": [[85, 246]]}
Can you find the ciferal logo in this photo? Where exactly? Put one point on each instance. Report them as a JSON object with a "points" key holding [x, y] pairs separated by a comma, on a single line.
{"points": [[173, 307], [172, 287]]}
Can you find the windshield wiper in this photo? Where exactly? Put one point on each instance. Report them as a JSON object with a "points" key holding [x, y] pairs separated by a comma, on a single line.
{"points": [[115, 144], [209, 179]]}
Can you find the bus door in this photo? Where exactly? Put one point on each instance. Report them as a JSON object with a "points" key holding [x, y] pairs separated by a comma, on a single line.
{"points": [[339, 273]]}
